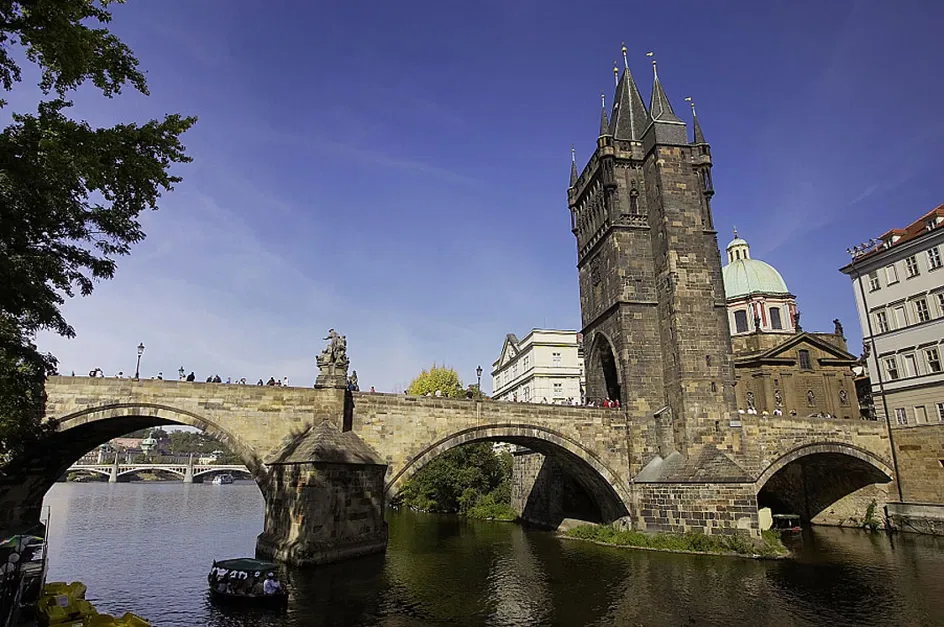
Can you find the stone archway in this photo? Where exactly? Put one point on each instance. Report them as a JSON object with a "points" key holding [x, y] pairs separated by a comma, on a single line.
{"points": [[603, 372], [25, 481], [601, 482], [828, 483]]}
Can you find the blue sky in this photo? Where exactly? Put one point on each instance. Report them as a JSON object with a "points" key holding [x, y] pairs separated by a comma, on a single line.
{"points": [[398, 171]]}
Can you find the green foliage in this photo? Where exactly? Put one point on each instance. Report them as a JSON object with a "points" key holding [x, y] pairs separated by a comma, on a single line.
{"points": [[472, 480], [769, 544], [439, 378], [70, 194]]}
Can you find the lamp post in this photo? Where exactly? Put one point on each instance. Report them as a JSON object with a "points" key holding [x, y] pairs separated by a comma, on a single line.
{"points": [[137, 368], [855, 252], [181, 373], [478, 374]]}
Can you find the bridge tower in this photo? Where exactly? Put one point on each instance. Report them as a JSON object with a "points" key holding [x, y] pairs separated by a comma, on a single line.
{"points": [[652, 301]]}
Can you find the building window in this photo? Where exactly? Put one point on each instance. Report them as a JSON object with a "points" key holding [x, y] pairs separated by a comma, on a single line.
{"points": [[881, 319], [805, 363], [900, 320], [900, 416], [558, 389], [526, 393], [526, 361], [740, 321], [891, 368], [911, 365], [775, 322], [934, 258], [921, 415], [911, 265], [940, 412], [940, 303], [555, 357], [514, 371], [891, 274], [873, 281], [933, 358], [921, 310]]}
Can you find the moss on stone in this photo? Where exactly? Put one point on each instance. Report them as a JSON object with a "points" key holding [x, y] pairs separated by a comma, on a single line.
{"points": [[768, 545]]}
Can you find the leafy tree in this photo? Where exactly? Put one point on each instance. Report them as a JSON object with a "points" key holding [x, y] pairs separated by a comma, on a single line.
{"points": [[470, 479], [70, 194], [439, 378]]}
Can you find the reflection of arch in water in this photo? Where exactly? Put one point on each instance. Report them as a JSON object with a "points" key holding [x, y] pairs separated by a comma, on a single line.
{"points": [[83, 431], [603, 360], [602, 483], [810, 479]]}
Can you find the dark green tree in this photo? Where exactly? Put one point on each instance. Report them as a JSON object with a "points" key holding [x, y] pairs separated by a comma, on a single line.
{"points": [[70, 194]]}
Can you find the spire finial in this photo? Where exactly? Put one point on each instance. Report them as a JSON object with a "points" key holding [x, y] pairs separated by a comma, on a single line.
{"points": [[691, 102], [573, 167], [573, 155], [615, 73], [604, 121], [625, 60], [603, 100], [735, 232], [655, 72]]}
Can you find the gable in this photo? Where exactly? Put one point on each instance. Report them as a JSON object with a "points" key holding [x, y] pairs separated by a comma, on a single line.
{"points": [[509, 351]]}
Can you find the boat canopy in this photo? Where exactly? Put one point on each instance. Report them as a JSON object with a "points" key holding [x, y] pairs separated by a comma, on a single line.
{"points": [[245, 564]]}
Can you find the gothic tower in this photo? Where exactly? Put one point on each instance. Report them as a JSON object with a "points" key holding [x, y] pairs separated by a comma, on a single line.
{"points": [[652, 300]]}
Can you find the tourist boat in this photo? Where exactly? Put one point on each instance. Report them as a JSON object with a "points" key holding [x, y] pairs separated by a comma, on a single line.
{"points": [[786, 523], [242, 580], [223, 479]]}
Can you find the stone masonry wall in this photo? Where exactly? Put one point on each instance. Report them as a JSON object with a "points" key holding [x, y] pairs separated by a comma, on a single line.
{"points": [[921, 462], [710, 508]]}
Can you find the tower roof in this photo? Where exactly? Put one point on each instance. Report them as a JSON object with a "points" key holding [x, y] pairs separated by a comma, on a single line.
{"points": [[604, 122], [744, 276], [659, 106], [699, 136], [573, 167], [629, 118]]}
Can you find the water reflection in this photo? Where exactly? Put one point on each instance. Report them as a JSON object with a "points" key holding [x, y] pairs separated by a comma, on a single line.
{"points": [[146, 548]]}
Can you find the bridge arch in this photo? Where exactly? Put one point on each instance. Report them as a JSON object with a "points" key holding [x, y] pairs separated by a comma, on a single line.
{"points": [[26, 480], [601, 482], [824, 483], [606, 366]]}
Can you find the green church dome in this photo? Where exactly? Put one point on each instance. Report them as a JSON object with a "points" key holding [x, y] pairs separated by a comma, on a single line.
{"points": [[744, 276]]}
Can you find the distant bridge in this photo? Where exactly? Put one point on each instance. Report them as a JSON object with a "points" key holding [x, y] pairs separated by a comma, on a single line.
{"points": [[188, 471]]}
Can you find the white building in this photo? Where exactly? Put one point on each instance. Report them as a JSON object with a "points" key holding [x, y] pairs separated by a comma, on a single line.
{"points": [[899, 292], [544, 367]]}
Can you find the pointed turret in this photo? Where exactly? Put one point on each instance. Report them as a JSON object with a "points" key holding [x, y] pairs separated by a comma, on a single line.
{"points": [[573, 168], [659, 106], [629, 118], [604, 122], [699, 136]]}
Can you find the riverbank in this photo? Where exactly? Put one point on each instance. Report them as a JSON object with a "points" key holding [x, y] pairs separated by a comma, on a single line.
{"points": [[768, 546]]}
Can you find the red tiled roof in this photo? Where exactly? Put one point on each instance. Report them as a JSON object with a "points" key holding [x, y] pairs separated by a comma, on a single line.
{"points": [[910, 232]]}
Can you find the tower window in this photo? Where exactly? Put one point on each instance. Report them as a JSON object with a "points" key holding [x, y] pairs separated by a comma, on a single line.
{"points": [[740, 321], [805, 363], [775, 322]]}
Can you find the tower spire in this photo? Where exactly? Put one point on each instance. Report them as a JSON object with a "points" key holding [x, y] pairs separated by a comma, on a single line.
{"points": [[604, 122], [629, 118], [699, 136], [659, 106], [573, 167]]}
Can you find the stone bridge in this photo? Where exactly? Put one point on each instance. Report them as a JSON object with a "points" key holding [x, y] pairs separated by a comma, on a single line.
{"points": [[823, 468], [187, 472]]}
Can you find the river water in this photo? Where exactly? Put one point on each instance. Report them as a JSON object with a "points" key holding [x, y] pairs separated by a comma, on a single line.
{"points": [[147, 547]]}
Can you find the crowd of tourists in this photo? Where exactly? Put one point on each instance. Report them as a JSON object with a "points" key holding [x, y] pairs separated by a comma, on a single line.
{"points": [[97, 373]]}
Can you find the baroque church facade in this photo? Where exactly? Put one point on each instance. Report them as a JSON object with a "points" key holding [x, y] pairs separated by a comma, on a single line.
{"points": [[779, 368]]}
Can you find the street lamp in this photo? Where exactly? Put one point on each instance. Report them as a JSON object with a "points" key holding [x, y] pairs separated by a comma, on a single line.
{"points": [[181, 373], [137, 369], [478, 373]]}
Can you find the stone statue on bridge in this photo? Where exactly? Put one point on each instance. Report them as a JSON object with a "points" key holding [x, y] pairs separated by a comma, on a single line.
{"points": [[333, 362]]}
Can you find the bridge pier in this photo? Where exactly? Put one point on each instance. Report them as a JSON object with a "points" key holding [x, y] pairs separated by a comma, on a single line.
{"points": [[324, 500], [113, 475], [188, 474]]}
